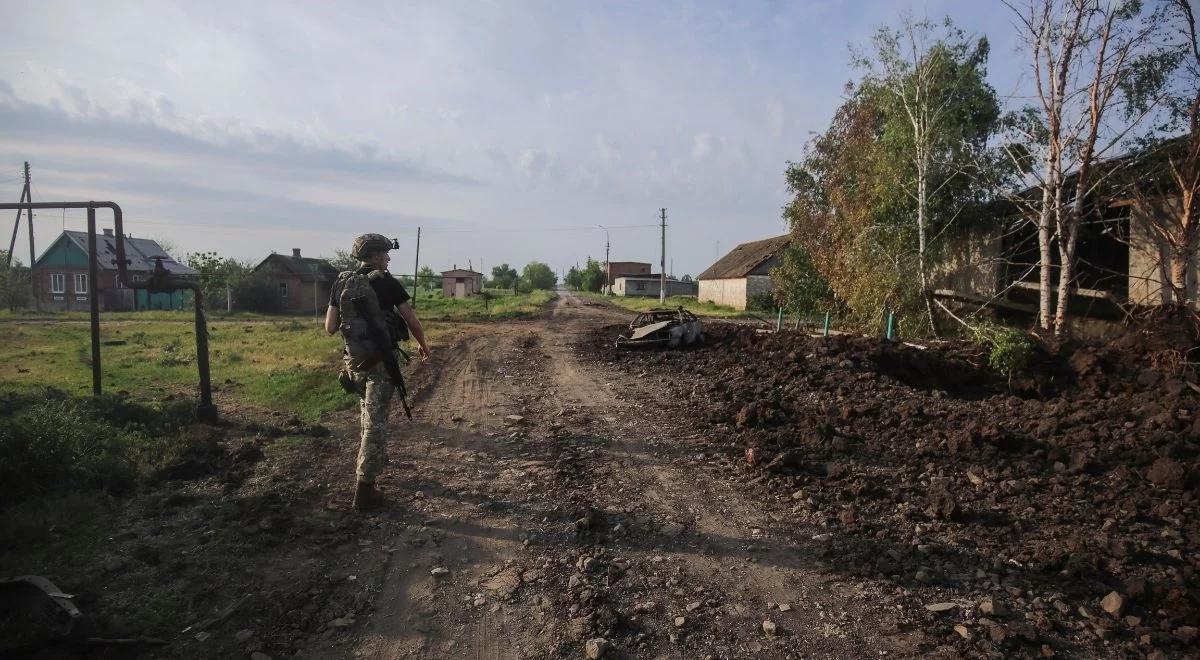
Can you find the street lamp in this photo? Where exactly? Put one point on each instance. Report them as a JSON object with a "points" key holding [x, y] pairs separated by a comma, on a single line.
{"points": [[607, 268]]}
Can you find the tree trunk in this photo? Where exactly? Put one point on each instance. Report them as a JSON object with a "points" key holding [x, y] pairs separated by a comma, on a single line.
{"points": [[1045, 257], [1068, 232], [1180, 261], [922, 219]]}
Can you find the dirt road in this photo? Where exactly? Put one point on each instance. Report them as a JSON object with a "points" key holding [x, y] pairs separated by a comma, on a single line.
{"points": [[544, 501]]}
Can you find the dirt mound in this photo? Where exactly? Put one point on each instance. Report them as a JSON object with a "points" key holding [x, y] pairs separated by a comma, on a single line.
{"points": [[928, 470]]}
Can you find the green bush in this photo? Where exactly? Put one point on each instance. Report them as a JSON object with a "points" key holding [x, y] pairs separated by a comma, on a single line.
{"points": [[1009, 350], [761, 302], [53, 442]]}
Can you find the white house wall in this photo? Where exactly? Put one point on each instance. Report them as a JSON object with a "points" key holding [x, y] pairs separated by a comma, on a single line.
{"points": [[1150, 262], [734, 292]]}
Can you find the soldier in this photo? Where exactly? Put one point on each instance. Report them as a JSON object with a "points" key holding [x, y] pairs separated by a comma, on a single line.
{"points": [[369, 376]]}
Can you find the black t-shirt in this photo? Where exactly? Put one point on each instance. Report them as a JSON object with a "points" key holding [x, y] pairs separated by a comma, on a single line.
{"points": [[388, 290]]}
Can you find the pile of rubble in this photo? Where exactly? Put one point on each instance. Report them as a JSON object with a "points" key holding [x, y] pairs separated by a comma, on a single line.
{"points": [[1053, 512]]}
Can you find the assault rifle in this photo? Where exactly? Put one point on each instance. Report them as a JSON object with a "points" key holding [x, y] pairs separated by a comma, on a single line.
{"points": [[379, 338]]}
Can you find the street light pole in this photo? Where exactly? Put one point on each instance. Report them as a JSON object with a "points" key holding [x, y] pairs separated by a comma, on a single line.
{"points": [[607, 268]]}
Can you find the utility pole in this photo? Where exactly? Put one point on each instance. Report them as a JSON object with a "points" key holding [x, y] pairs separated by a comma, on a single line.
{"points": [[33, 288], [417, 269], [662, 262], [607, 264], [12, 243]]}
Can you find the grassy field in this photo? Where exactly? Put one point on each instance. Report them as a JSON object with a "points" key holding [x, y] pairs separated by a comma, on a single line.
{"points": [[639, 304], [282, 363], [499, 305], [285, 365]]}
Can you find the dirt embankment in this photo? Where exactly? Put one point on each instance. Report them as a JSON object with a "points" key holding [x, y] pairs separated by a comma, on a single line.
{"points": [[1055, 513]]}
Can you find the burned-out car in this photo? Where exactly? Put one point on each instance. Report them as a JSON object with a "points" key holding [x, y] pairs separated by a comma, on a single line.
{"points": [[662, 327]]}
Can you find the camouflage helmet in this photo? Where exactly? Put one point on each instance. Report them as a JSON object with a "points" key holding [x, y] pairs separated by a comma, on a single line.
{"points": [[368, 243]]}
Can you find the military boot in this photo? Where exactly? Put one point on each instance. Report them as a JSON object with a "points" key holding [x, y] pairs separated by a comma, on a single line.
{"points": [[366, 496]]}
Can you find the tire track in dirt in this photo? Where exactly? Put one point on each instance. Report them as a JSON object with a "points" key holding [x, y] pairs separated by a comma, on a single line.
{"points": [[411, 618]]}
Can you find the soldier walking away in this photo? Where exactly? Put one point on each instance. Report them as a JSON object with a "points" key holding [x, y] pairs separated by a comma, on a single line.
{"points": [[371, 309]]}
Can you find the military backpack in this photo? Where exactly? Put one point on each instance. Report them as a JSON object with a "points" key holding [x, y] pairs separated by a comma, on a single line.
{"points": [[361, 346]]}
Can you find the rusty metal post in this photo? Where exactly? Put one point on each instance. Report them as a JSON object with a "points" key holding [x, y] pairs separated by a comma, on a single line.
{"points": [[206, 410], [94, 300]]}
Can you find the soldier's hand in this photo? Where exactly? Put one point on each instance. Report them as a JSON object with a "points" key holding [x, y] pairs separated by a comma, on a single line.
{"points": [[423, 351]]}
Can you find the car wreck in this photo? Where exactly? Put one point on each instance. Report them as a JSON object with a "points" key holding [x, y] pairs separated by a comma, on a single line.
{"points": [[662, 327]]}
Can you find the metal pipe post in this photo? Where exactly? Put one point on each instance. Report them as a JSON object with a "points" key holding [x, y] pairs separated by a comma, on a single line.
{"points": [[206, 410], [825, 332], [94, 300], [779, 320], [891, 326]]}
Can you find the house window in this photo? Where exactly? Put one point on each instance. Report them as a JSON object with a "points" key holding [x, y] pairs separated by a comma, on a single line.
{"points": [[639, 286], [58, 283], [283, 289], [81, 283]]}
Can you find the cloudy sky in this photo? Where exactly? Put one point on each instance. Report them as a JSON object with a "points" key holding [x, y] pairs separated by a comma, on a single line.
{"points": [[506, 130]]}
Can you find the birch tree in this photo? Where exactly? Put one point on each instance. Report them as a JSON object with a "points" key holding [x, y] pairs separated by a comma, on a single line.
{"points": [[934, 76], [1085, 56]]}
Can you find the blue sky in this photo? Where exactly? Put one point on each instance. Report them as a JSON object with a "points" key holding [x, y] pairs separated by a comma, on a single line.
{"points": [[506, 130]]}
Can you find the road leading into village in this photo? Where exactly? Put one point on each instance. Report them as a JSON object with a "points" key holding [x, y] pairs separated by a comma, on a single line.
{"points": [[557, 504]]}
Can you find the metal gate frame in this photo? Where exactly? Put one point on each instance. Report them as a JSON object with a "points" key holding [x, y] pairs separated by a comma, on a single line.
{"points": [[161, 281]]}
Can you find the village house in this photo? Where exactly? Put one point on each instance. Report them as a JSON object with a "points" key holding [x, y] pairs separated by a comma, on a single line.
{"points": [[743, 273], [461, 283], [617, 269], [303, 283], [62, 274], [1121, 261], [649, 285]]}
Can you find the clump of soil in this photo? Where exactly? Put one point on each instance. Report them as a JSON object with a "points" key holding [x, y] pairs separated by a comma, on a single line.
{"points": [[1046, 492]]}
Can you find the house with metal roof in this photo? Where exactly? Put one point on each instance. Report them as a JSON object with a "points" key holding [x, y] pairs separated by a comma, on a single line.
{"points": [[742, 273], [303, 283], [62, 274]]}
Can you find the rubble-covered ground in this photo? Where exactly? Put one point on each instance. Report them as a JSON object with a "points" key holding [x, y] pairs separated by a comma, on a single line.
{"points": [[1047, 515]]}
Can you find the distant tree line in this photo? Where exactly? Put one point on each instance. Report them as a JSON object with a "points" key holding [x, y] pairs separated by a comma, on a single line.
{"points": [[535, 275]]}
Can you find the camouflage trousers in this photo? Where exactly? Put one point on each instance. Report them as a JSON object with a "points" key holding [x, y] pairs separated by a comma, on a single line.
{"points": [[377, 390]]}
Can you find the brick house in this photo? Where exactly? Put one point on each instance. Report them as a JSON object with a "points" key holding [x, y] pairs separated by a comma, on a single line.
{"points": [[303, 283], [62, 274], [743, 273]]}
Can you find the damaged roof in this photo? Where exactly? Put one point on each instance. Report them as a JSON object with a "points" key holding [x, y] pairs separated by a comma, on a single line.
{"points": [[140, 252], [743, 259]]}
